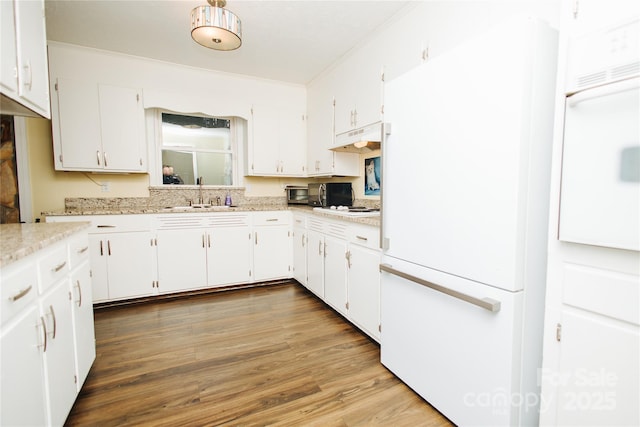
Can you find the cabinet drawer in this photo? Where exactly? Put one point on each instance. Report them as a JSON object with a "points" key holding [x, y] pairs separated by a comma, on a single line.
{"points": [[53, 266], [272, 218], [364, 236], [299, 220], [78, 250], [19, 288]]}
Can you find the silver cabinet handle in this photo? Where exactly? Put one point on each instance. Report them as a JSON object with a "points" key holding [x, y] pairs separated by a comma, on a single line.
{"points": [[44, 334], [319, 248], [79, 293], [302, 240], [105, 159], [109, 247], [83, 250], [361, 238], [55, 326], [272, 219], [58, 267], [255, 235], [101, 249], [98, 156], [347, 255], [486, 303], [209, 240], [28, 82], [203, 240], [20, 294]]}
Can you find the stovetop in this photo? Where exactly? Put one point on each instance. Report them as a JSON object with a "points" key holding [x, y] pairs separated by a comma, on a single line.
{"points": [[349, 210]]}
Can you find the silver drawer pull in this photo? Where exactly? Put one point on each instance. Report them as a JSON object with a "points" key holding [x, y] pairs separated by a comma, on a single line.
{"points": [[486, 303], [59, 267], [361, 238], [272, 219], [44, 334], [83, 250], [20, 294]]}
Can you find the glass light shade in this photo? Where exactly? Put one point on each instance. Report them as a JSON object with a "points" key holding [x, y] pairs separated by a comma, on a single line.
{"points": [[216, 28]]}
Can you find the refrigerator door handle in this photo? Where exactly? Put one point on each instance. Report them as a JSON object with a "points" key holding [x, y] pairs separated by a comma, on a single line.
{"points": [[486, 303]]}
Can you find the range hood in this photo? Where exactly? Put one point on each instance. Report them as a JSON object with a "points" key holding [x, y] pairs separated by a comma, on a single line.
{"points": [[361, 140]]}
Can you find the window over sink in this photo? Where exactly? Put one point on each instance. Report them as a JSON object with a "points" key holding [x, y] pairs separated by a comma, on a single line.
{"points": [[194, 146]]}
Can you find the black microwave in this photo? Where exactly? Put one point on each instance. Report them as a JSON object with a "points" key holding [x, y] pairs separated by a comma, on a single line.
{"points": [[331, 194]]}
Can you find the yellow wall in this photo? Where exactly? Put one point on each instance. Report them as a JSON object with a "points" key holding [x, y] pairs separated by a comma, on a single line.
{"points": [[50, 187]]}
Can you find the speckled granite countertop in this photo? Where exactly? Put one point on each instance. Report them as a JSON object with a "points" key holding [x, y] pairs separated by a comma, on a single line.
{"points": [[19, 240], [368, 220]]}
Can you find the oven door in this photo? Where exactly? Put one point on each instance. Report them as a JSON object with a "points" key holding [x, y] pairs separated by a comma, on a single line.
{"points": [[600, 194]]}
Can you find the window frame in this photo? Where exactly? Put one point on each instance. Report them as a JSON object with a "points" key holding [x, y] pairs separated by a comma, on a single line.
{"points": [[156, 145]]}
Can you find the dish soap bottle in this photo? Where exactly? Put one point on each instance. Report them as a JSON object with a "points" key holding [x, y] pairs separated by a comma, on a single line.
{"points": [[227, 200]]}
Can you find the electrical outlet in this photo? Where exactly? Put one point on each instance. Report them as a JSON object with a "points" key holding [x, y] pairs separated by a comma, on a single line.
{"points": [[105, 186]]}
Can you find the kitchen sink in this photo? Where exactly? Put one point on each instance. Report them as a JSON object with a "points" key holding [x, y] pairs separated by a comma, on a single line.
{"points": [[197, 207]]}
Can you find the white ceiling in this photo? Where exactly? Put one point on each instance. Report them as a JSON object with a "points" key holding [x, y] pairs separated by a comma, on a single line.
{"points": [[291, 41]]}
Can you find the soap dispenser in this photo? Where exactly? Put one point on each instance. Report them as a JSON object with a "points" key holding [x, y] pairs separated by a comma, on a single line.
{"points": [[227, 200]]}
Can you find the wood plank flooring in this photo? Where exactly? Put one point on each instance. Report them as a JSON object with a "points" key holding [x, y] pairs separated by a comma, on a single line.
{"points": [[273, 355]]}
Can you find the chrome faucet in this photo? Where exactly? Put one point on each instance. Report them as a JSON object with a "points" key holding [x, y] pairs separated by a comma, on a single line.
{"points": [[200, 198]]}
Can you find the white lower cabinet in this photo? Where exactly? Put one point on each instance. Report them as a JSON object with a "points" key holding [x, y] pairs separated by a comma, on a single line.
{"points": [[228, 255], [343, 269], [315, 261], [47, 341], [182, 259], [335, 273], [363, 279], [21, 373], [199, 251], [123, 265], [273, 246], [299, 248], [59, 357], [83, 326]]}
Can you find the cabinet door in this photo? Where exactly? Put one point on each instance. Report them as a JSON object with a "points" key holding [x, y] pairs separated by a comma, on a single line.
{"points": [[21, 373], [77, 126], [598, 375], [335, 273], [315, 263], [129, 264], [122, 128], [182, 260], [320, 132], [293, 143], [344, 92], [33, 72], [84, 334], [364, 289], [272, 252], [98, 260], [228, 255], [60, 370], [265, 147], [368, 97], [8, 66], [300, 255]]}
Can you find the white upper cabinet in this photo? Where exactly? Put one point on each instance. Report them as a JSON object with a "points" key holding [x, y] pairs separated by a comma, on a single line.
{"points": [[321, 134], [98, 127], [24, 75], [277, 145], [358, 100]]}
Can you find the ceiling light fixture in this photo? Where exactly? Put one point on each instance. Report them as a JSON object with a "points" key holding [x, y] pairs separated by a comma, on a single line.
{"points": [[215, 27]]}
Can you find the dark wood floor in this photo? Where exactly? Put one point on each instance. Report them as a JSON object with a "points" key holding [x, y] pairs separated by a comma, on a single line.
{"points": [[253, 357]]}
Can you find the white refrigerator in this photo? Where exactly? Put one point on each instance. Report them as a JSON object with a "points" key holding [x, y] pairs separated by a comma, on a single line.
{"points": [[466, 171]]}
